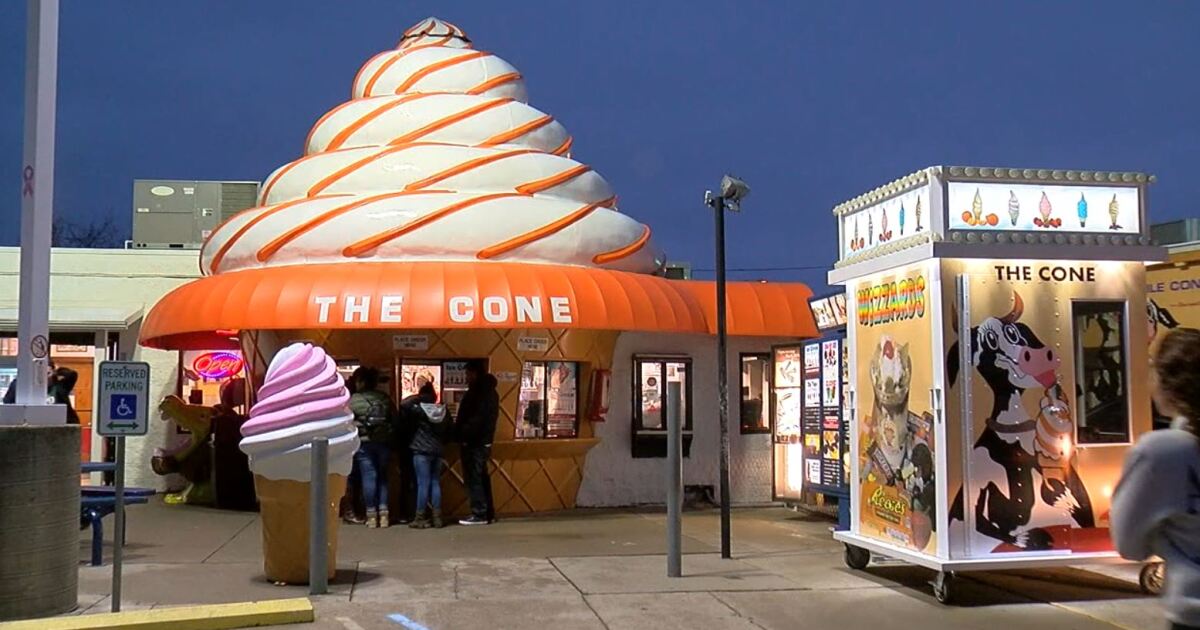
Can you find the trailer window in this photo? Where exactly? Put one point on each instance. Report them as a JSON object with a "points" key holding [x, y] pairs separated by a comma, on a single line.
{"points": [[1101, 373]]}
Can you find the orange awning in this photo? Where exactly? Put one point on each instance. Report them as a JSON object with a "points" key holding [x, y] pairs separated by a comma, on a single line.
{"points": [[438, 295]]}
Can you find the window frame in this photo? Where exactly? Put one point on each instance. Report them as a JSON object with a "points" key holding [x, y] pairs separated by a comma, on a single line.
{"points": [[636, 398], [1122, 307], [769, 374], [545, 415]]}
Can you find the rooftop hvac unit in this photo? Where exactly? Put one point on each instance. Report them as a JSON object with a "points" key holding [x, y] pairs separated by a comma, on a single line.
{"points": [[177, 214], [678, 271], [1176, 232]]}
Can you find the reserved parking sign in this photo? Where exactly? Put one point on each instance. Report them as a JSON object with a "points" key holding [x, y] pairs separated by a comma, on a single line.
{"points": [[124, 398]]}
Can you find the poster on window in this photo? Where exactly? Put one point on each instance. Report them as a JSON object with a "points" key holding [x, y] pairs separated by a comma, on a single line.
{"points": [[787, 367], [651, 395], [812, 359], [831, 373], [896, 439], [454, 375], [1031, 487], [415, 376]]}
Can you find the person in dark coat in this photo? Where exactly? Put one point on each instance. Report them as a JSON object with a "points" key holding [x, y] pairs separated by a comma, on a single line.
{"points": [[431, 428], [10, 395], [407, 421], [62, 383], [476, 428]]}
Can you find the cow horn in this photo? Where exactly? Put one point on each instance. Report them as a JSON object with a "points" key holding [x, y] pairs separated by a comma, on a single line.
{"points": [[1017, 309]]}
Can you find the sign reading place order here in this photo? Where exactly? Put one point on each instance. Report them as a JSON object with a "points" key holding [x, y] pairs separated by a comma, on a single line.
{"points": [[393, 309]]}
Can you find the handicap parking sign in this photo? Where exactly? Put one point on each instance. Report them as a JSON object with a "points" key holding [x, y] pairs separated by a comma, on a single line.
{"points": [[123, 407], [124, 398]]}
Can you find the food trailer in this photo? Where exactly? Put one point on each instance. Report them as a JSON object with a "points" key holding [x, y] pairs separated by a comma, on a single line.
{"points": [[811, 432], [998, 316]]}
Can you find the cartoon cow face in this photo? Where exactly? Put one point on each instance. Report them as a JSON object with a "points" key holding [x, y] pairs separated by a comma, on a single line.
{"points": [[1159, 316], [1009, 355]]}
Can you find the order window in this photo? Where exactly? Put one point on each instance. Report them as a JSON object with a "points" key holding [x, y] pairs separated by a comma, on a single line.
{"points": [[755, 387], [549, 402], [1101, 373], [653, 403]]}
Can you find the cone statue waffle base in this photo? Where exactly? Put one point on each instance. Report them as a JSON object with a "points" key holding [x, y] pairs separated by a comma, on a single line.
{"points": [[285, 515]]}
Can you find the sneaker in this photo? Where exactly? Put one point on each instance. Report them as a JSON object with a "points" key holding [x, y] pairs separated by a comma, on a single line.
{"points": [[353, 519], [372, 519], [383, 519], [473, 520]]}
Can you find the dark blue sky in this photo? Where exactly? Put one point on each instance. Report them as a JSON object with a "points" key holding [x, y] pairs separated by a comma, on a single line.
{"points": [[811, 103]]}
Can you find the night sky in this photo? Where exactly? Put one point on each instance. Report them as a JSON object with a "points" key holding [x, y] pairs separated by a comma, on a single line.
{"points": [[811, 103]]}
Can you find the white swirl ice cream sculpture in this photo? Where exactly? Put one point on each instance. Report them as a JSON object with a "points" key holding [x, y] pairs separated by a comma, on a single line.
{"points": [[437, 156]]}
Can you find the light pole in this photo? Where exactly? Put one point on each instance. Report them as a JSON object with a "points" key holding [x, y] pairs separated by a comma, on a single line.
{"points": [[733, 190]]}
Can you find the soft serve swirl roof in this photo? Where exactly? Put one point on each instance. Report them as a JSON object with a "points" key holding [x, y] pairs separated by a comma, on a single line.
{"points": [[436, 157]]}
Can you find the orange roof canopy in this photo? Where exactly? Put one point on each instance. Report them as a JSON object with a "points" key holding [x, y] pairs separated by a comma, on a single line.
{"points": [[438, 295]]}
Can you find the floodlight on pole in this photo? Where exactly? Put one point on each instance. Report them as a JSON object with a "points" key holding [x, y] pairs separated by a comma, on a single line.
{"points": [[733, 190]]}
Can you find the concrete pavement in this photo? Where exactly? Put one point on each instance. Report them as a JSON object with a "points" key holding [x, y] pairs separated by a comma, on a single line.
{"points": [[598, 569]]}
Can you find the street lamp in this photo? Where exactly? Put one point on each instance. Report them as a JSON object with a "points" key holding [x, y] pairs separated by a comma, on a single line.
{"points": [[733, 190]]}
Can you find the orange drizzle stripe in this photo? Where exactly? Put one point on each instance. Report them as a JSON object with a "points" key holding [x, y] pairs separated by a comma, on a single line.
{"points": [[466, 166], [517, 132], [274, 246], [358, 75], [333, 177], [565, 147], [494, 82], [624, 252], [262, 201], [345, 134], [542, 232], [321, 121], [374, 242], [539, 185], [379, 73], [434, 67], [450, 120], [220, 255]]}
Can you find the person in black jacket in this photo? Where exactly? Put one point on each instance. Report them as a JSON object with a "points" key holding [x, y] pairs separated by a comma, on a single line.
{"points": [[62, 383], [432, 425], [476, 428], [10, 395]]}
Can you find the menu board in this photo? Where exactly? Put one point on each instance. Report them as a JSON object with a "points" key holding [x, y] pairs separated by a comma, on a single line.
{"points": [[823, 417], [829, 312]]}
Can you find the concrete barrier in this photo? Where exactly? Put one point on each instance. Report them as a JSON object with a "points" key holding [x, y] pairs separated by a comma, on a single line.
{"points": [[39, 520]]}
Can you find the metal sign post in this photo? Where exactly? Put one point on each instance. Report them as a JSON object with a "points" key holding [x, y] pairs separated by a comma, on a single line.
{"points": [[318, 537], [124, 410], [674, 478]]}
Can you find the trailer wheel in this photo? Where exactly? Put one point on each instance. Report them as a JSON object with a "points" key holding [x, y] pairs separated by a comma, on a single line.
{"points": [[944, 587], [857, 558], [1152, 577]]}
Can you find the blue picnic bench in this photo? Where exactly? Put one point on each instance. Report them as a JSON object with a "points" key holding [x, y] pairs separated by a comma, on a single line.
{"points": [[96, 502]]}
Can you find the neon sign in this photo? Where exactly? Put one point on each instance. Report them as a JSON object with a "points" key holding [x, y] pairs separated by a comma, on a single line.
{"points": [[218, 365]]}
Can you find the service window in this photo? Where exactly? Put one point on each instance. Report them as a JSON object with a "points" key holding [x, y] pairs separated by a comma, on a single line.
{"points": [[652, 405], [755, 386], [549, 402], [1101, 373]]}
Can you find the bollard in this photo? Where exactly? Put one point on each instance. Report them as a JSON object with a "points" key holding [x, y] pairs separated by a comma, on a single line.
{"points": [[674, 479], [318, 536]]}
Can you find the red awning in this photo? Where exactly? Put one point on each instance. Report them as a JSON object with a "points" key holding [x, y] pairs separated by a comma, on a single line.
{"points": [[438, 295]]}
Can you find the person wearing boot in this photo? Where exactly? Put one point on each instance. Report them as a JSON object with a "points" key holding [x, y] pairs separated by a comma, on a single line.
{"points": [[427, 445], [373, 413]]}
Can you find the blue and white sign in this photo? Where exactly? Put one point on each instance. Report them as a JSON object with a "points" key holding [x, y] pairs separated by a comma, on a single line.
{"points": [[124, 398]]}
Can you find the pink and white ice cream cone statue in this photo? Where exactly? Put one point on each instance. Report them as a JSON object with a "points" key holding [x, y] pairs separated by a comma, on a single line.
{"points": [[302, 398]]}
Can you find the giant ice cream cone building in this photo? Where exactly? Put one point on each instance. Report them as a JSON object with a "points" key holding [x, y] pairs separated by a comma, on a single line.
{"points": [[438, 203]]}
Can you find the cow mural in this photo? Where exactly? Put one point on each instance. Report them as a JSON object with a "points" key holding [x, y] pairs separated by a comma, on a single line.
{"points": [[1028, 493], [1159, 317]]}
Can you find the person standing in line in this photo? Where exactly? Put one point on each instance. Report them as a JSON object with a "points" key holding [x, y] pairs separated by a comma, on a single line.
{"points": [[1156, 506], [62, 383], [426, 446], [476, 428], [10, 395], [402, 437], [374, 414]]}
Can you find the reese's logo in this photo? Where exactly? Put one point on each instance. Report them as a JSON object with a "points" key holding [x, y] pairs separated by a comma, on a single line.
{"points": [[889, 508]]}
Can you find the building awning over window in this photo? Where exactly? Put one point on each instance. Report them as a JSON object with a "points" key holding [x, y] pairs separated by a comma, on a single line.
{"points": [[438, 295], [79, 317]]}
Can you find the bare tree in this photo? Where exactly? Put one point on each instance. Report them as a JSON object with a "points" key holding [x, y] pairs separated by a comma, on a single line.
{"points": [[99, 233]]}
